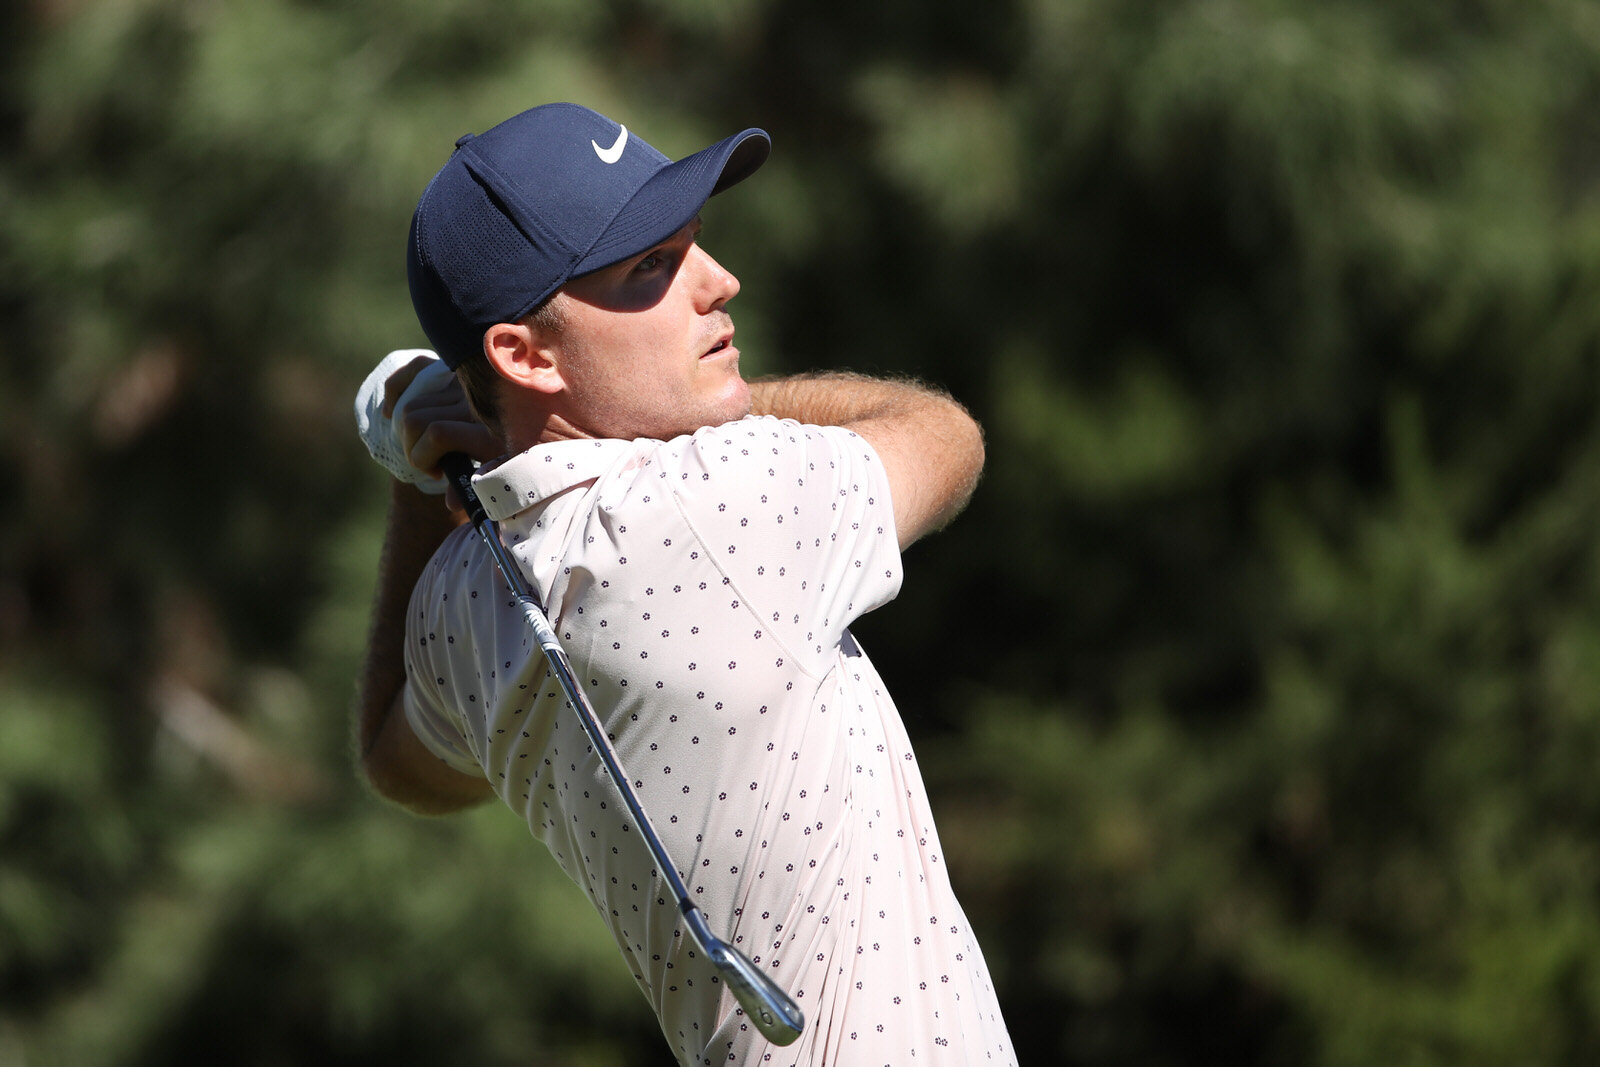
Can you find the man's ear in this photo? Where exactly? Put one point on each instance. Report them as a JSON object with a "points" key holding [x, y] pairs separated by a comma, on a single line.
{"points": [[522, 356]]}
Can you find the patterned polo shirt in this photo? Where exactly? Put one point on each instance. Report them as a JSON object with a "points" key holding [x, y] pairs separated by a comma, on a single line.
{"points": [[703, 588]]}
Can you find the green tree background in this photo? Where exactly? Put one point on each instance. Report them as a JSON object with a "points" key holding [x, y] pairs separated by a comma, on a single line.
{"points": [[1259, 689]]}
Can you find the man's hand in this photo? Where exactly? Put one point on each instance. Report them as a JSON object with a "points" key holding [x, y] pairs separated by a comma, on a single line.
{"points": [[411, 412], [426, 405]]}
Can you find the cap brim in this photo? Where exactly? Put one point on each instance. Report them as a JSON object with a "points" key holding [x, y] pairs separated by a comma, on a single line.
{"points": [[674, 195]]}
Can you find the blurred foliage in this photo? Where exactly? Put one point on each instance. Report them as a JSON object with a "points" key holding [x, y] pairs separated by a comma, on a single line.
{"points": [[1259, 689]]}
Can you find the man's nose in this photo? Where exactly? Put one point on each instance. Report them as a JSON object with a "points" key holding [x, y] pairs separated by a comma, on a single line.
{"points": [[714, 285]]}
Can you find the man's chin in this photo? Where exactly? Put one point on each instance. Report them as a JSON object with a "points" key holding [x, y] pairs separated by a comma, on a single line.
{"points": [[736, 402]]}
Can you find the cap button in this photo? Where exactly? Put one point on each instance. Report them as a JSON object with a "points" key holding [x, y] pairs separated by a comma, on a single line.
{"points": [[464, 138]]}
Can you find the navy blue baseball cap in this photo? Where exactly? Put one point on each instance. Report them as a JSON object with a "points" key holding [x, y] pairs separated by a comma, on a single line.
{"points": [[545, 196]]}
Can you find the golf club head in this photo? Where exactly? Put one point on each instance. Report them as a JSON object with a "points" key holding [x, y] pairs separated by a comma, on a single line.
{"points": [[775, 1014]]}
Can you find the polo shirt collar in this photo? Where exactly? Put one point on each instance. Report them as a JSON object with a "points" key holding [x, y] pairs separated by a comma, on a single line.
{"points": [[523, 480]]}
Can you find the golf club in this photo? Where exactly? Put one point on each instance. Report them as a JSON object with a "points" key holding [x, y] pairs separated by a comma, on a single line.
{"points": [[775, 1014]]}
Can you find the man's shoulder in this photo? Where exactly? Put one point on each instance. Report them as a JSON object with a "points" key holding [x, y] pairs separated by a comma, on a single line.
{"points": [[761, 453], [758, 437], [460, 558]]}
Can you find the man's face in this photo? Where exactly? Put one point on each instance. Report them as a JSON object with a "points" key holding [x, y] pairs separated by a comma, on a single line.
{"points": [[645, 347]]}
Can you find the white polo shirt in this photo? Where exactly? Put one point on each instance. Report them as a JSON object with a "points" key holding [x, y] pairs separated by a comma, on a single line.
{"points": [[702, 588]]}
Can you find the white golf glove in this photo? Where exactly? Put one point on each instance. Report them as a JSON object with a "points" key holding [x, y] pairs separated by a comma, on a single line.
{"points": [[379, 431]]}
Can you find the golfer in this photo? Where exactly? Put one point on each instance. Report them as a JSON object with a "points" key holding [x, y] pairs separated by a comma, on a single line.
{"points": [[701, 545]]}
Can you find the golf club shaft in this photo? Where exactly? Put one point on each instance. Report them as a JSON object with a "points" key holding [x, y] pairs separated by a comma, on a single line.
{"points": [[773, 1011]]}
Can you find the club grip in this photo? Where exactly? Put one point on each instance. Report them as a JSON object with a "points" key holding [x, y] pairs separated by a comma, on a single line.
{"points": [[458, 470]]}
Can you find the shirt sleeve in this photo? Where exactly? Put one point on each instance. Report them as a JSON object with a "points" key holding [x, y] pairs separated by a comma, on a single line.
{"points": [[433, 729], [800, 521], [430, 633]]}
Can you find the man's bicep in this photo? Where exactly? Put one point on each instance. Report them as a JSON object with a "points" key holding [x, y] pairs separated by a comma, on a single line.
{"points": [[403, 769]]}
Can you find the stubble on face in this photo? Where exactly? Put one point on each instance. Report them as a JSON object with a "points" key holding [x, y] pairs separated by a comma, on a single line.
{"points": [[615, 391], [646, 347]]}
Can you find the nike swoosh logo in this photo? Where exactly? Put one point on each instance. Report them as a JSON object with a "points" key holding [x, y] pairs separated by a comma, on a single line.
{"points": [[614, 153]]}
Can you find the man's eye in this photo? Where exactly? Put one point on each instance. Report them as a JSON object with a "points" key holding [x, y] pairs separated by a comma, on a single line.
{"points": [[651, 261]]}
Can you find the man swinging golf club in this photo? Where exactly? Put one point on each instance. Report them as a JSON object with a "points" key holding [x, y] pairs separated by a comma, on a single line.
{"points": [[699, 545]]}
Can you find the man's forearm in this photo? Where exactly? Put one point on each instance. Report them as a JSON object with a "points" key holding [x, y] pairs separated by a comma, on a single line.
{"points": [[416, 525], [832, 398]]}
